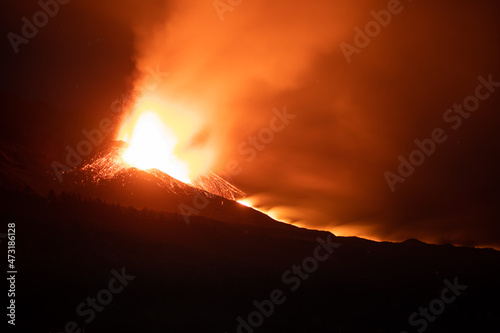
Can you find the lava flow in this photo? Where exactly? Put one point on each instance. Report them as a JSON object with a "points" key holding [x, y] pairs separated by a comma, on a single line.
{"points": [[158, 139], [161, 137], [152, 145]]}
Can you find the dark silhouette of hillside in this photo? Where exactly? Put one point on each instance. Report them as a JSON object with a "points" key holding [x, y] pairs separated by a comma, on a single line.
{"points": [[202, 276]]}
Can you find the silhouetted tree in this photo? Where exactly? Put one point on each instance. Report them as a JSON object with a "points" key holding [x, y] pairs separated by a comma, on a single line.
{"points": [[52, 196]]}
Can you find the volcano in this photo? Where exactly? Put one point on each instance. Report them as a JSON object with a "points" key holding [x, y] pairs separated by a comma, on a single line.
{"points": [[250, 166], [106, 177], [111, 250]]}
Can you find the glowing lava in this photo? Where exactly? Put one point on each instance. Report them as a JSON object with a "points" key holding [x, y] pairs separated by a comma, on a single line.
{"points": [[160, 137], [245, 203], [273, 212], [152, 145]]}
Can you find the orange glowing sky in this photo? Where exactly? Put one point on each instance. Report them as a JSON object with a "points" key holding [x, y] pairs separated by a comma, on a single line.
{"points": [[325, 169]]}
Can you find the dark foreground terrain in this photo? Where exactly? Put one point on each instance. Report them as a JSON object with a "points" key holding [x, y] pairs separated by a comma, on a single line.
{"points": [[87, 265]]}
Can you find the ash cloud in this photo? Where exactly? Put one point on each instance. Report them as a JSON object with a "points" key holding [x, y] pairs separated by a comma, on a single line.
{"points": [[353, 119], [325, 169]]}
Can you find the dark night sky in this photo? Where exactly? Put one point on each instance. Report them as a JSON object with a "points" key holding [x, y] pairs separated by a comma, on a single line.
{"points": [[326, 168]]}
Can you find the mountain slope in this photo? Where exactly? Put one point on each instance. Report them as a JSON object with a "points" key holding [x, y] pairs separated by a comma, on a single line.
{"points": [[203, 276]]}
